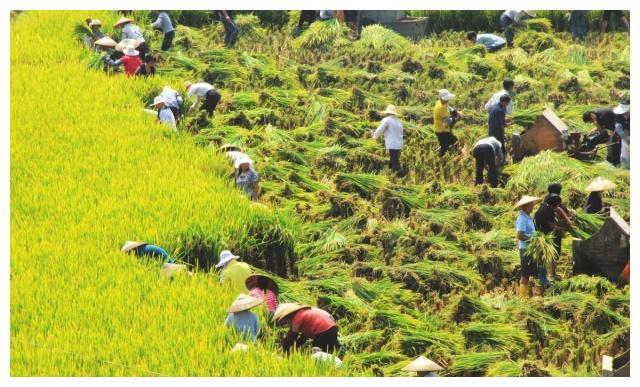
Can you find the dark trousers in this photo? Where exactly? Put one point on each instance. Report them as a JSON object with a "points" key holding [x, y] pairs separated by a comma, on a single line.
{"points": [[613, 150], [445, 140], [327, 340], [306, 16], [578, 24], [506, 24], [211, 101], [498, 47], [394, 160], [143, 49], [230, 32], [167, 41], [176, 112], [485, 157]]}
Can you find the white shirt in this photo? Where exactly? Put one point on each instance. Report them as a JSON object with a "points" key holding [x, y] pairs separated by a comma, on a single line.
{"points": [[172, 97], [199, 90], [391, 128], [323, 356], [495, 144], [515, 15], [131, 31], [166, 117], [495, 99]]}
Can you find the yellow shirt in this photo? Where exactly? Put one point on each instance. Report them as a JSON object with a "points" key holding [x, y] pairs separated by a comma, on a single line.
{"points": [[440, 113], [234, 275]]}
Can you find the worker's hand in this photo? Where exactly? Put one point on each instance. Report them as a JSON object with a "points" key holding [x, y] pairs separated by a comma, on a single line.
{"points": [[508, 121], [460, 115]]}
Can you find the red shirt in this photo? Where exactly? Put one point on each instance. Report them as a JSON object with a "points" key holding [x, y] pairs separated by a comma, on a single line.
{"points": [[131, 64], [269, 297], [311, 322]]}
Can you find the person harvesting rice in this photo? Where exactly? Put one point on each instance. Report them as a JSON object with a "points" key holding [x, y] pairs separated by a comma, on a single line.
{"points": [[309, 323], [173, 100], [246, 178], [492, 42], [265, 289], [132, 31], [233, 272], [163, 22], [594, 200], [391, 128], [563, 221], [202, 91], [497, 119], [510, 18], [488, 153], [524, 230], [165, 115], [148, 67], [444, 118], [242, 319], [141, 249], [545, 221], [622, 130], [131, 61]]}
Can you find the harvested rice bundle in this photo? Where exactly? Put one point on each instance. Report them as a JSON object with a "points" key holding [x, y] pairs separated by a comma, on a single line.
{"points": [[380, 358], [499, 336], [595, 285], [541, 247], [379, 39], [589, 224], [475, 364], [468, 306], [533, 41], [414, 342], [322, 35], [539, 24], [364, 184]]}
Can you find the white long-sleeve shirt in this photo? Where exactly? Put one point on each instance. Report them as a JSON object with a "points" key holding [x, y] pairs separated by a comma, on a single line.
{"points": [[391, 128], [164, 22], [495, 99], [199, 90], [516, 15], [172, 97], [166, 117]]}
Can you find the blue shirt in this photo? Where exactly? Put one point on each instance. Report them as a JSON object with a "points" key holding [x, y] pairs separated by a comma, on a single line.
{"points": [[490, 40], [153, 251], [163, 22], [496, 122], [525, 224], [246, 323]]}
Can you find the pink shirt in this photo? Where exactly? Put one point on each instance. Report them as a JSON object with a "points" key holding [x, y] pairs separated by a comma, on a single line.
{"points": [[268, 296], [311, 322]]}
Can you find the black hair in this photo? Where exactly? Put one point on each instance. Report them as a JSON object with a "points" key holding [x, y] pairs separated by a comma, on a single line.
{"points": [[554, 188], [505, 98], [507, 84], [553, 200], [586, 116], [263, 282], [149, 58], [471, 35]]}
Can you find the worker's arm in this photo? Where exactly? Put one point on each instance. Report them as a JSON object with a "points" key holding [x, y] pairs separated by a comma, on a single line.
{"points": [[522, 236], [156, 24], [289, 340], [195, 104], [226, 15], [381, 129], [111, 62], [563, 215]]}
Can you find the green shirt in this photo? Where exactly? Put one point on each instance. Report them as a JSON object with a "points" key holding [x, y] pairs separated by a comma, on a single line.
{"points": [[234, 274]]}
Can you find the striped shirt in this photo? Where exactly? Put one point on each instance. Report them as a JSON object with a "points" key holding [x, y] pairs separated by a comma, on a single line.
{"points": [[268, 296]]}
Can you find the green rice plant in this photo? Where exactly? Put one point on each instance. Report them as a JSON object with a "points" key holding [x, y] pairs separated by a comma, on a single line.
{"points": [[380, 358], [497, 336], [475, 363], [597, 286], [322, 35], [364, 184], [542, 249], [376, 38], [414, 342], [506, 368], [539, 24], [589, 224]]}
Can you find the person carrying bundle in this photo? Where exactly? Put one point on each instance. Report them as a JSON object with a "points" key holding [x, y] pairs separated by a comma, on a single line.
{"points": [[604, 121], [264, 288], [545, 221], [96, 33], [510, 18], [131, 61], [242, 319], [391, 128], [444, 118], [497, 119], [202, 91], [233, 272], [564, 221], [492, 42], [142, 249], [488, 153], [163, 22], [309, 323], [524, 231], [165, 115], [132, 31]]}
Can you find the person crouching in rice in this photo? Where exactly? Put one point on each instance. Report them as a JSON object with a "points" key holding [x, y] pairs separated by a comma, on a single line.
{"points": [[308, 323], [264, 288]]}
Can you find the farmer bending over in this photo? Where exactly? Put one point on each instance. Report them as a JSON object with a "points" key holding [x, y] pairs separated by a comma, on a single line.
{"points": [[202, 91], [141, 249], [492, 42], [165, 115], [163, 22], [310, 323], [233, 272], [265, 289], [242, 319], [488, 153], [130, 60]]}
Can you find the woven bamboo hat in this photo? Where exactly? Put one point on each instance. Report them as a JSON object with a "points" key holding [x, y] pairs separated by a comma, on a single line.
{"points": [[526, 199], [286, 309], [95, 22], [106, 42], [600, 184], [130, 245], [244, 302], [391, 109], [158, 100], [422, 364], [230, 147], [123, 20], [124, 43], [271, 284]]}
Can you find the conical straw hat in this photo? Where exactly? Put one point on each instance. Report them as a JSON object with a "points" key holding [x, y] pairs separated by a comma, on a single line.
{"points": [[526, 199], [600, 184], [271, 284], [286, 309], [244, 302], [105, 42], [391, 109], [422, 364], [124, 43], [122, 21], [130, 245], [228, 147]]}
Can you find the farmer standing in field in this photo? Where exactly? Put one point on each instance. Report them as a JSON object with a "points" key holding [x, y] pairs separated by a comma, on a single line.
{"points": [[163, 22], [130, 60], [524, 230], [242, 319], [391, 128], [132, 31], [309, 323], [497, 119], [233, 272], [545, 221], [492, 42], [563, 222], [230, 28], [264, 288], [444, 118], [246, 178], [578, 24], [488, 153], [202, 91], [623, 130], [507, 89], [608, 15], [165, 115], [510, 18]]}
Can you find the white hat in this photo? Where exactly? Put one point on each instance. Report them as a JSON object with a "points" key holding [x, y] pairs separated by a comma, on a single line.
{"points": [[226, 257], [105, 42], [600, 184], [123, 20], [242, 160], [158, 100], [130, 245], [530, 13], [622, 108], [167, 89], [124, 43], [131, 51], [95, 22], [239, 347], [169, 270], [286, 309], [445, 95], [244, 302], [526, 199], [391, 109], [422, 364]]}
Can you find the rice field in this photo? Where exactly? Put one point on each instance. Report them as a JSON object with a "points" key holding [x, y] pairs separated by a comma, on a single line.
{"points": [[423, 264]]}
